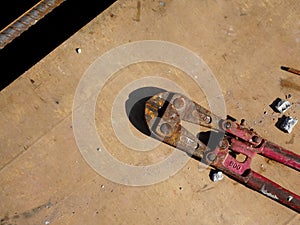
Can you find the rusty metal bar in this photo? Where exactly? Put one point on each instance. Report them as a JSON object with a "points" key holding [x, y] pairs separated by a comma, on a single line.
{"points": [[26, 20], [291, 70]]}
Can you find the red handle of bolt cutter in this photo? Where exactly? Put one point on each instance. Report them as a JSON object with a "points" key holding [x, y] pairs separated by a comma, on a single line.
{"points": [[281, 155], [265, 148], [273, 191]]}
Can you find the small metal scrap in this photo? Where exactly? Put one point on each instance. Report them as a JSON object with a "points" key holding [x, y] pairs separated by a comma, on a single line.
{"points": [[282, 106], [217, 176], [162, 3], [288, 124]]}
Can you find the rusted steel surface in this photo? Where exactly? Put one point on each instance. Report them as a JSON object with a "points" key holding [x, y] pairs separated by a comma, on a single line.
{"points": [[26, 20], [164, 113]]}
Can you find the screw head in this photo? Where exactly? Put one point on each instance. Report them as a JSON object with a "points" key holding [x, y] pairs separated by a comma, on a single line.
{"points": [[179, 103], [211, 156], [223, 144], [256, 139], [227, 125], [165, 128]]}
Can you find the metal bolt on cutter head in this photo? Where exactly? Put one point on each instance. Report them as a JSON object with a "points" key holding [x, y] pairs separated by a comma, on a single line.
{"points": [[164, 113]]}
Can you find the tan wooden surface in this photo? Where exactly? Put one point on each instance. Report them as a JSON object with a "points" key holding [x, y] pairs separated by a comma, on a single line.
{"points": [[44, 178]]}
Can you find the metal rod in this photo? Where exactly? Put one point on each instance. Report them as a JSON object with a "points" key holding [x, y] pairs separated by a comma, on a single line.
{"points": [[26, 20], [291, 70]]}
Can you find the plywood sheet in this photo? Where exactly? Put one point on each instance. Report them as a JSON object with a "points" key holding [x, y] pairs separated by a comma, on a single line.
{"points": [[45, 179]]}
